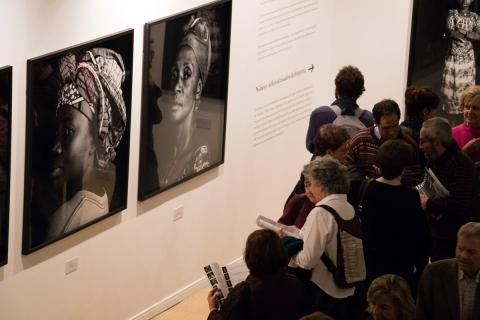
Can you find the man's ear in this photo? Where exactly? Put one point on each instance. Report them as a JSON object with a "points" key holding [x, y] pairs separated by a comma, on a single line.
{"points": [[436, 143], [198, 91]]}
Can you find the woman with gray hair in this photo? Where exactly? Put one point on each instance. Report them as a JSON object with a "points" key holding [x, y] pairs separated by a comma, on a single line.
{"points": [[326, 183], [331, 141]]}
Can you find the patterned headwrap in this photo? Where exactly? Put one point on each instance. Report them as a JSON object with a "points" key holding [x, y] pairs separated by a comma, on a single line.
{"points": [[92, 85], [197, 37]]}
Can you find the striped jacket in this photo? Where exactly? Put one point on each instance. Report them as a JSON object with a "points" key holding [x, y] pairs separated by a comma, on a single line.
{"points": [[362, 152]]}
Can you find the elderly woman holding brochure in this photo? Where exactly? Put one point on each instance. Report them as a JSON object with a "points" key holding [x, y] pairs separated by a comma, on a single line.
{"points": [[268, 292], [327, 184]]}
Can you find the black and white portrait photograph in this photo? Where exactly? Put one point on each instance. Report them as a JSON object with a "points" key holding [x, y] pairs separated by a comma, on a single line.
{"points": [[445, 49], [184, 99], [5, 143], [77, 139]]}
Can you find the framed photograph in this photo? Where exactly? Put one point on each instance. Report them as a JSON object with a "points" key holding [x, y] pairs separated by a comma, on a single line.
{"points": [[77, 138], [184, 99], [5, 145], [444, 50]]}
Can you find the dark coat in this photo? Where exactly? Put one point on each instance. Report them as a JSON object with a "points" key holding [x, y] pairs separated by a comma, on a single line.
{"points": [[456, 172], [277, 297], [438, 296], [387, 211]]}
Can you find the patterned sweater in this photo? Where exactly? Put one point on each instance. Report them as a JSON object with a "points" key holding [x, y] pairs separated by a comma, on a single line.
{"points": [[362, 152]]}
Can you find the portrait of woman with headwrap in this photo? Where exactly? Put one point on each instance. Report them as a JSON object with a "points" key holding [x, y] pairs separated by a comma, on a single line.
{"points": [[91, 119], [80, 133], [188, 76], [190, 66]]}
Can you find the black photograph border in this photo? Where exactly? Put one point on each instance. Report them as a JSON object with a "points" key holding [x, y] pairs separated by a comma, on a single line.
{"points": [[27, 248], [7, 72], [144, 195], [428, 47]]}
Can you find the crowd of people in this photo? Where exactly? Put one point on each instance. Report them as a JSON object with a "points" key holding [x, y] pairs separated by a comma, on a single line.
{"points": [[409, 193]]}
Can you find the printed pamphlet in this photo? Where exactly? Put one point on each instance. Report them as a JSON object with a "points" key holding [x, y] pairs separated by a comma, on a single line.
{"points": [[266, 223]]}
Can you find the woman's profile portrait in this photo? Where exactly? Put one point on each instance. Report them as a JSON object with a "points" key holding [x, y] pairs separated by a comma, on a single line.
{"points": [[87, 136], [79, 107], [188, 64]]}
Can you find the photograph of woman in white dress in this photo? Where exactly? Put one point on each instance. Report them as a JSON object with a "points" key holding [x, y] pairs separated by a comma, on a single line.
{"points": [[463, 27], [189, 64]]}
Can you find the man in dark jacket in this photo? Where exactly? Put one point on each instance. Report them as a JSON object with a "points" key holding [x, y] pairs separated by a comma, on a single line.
{"points": [[456, 172], [450, 289]]}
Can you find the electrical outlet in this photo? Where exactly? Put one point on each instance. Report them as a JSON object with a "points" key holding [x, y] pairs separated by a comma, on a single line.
{"points": [[71, 265], [178, 213]]}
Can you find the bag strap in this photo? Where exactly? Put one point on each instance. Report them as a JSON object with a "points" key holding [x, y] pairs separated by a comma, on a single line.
{"points": [[325, 259], [332, 211], [336, 109], [359, 112], [328, 263], [351, 226], [361, 193]]}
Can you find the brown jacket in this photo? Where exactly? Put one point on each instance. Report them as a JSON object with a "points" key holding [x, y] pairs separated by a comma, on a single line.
{"points": [[438, 297]]}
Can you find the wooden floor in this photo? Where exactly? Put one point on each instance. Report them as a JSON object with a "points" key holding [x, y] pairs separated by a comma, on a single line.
{"points": [[194, 307]]}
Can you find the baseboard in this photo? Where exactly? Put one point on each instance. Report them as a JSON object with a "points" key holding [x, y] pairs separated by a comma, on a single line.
{"points": [[175, 297]]}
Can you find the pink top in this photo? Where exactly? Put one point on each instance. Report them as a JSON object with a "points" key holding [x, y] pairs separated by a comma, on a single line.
{"points": [[462, 134]]}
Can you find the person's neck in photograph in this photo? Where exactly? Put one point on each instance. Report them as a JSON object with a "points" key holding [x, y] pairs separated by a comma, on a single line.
{"points": [[89, 182], [184, 132]]}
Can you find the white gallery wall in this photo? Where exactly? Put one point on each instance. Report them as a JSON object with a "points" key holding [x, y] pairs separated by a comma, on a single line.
{"points": [[140, 261]]}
